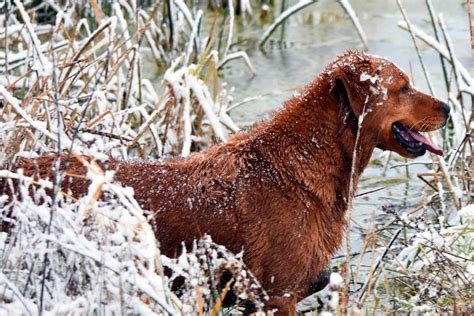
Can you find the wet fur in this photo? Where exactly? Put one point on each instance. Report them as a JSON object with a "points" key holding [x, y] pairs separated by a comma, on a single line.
{"points": [[280, 190]]}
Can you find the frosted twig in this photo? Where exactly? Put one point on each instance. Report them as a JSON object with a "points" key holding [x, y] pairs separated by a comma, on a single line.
{"points": [[15, 103], [186, 150], [150, 124], [352, 189], [110, 22], [207, 106], [442, 25], [193, 36], [114, 266], [458, 108], [245, 7], [18, 59], [355, 21], [303, 4], [14, 289], [433, 43], [237, 55], [45, 64], [379, 261], [423, 66], [185, 10], [447, 176], [429, 5], [11, 30], [7, 14], [17, 176], [122, 23], [282, 18], [231, 29]]}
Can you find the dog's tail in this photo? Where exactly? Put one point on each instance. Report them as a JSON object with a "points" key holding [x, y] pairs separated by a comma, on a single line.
{"points": [[42, 168]]}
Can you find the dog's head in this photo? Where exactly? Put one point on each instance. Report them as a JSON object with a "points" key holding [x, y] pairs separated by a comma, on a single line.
{"points": [[391, 112]]}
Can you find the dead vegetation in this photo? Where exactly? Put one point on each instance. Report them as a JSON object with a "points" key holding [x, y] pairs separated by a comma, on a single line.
{"points": [[78, 78]]}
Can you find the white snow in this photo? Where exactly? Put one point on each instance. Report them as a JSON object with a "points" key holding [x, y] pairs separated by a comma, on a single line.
{"points": [[364, 76], [336, 280], [467, 212]]}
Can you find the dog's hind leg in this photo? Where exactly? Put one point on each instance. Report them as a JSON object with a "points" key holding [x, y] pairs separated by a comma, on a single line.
{"points": [[284, 305], [321, 282]]}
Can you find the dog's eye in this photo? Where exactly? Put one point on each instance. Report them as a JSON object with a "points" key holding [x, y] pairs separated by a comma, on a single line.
{"points": [[404, 89]]}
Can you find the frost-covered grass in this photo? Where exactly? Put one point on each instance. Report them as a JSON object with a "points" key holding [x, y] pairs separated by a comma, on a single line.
{"points": [[75, 79], [81, 257], [92, 258]]}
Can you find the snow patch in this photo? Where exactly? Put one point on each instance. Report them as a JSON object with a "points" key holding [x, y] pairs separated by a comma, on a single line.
{"points": [[366, 76]]}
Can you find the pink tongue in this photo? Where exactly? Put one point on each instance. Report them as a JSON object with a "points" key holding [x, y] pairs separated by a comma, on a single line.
{"points": [[426, 143]]}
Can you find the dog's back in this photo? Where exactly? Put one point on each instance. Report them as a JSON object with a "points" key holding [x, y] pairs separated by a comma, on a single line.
{"points": [[188, 198]]}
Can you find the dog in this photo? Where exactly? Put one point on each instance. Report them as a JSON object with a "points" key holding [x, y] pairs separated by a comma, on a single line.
{"points": [[280, 190]]}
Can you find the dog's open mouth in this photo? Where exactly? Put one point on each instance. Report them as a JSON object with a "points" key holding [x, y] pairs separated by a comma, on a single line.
{"points": [[413, 141]]}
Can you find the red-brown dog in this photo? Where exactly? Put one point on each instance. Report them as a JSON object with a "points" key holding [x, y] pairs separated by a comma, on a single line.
{"points": [[280, 190]]}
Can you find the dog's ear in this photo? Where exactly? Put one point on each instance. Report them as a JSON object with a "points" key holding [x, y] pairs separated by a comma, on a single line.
{"points": [[345, 94]]}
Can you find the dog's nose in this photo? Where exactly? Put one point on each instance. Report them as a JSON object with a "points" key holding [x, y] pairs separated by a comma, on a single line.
{"points": [[446, 109]]}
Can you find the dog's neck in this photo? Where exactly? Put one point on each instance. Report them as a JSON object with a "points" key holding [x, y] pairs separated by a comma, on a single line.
{"points": [[314, 138]]}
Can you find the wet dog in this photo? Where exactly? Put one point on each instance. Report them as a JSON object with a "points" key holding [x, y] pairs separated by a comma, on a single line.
{"points": [[280, 190]]}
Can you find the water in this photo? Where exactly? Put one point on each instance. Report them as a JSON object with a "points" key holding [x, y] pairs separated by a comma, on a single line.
{"points": [[314, 36], [312, 39]]}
